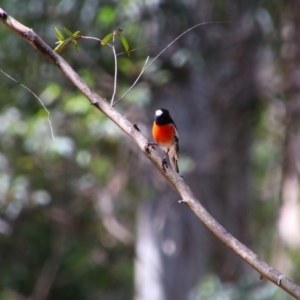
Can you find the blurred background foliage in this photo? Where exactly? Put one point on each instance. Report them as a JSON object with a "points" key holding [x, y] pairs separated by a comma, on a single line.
{"points": [[69, 220]]}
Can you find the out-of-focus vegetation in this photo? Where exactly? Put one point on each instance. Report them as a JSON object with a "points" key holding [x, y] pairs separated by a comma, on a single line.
{"points": [[68, 207]]}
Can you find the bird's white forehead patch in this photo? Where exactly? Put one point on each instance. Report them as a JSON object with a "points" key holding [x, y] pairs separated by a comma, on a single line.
{"points": [[158, 113]]}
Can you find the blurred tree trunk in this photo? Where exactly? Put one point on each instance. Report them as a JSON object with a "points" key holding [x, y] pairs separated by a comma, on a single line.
{"points": [[289, 218], [214, 105]]}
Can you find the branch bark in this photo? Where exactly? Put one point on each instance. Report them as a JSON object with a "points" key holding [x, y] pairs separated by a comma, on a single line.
{"points": [[265, 270]]}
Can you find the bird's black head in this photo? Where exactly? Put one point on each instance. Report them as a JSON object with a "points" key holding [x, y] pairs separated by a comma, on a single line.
{"points": [[162, 116]]}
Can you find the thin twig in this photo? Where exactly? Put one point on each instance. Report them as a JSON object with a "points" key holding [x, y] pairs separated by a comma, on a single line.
{"points": [[133, 83], [95, 39], [116, 71], [162, 51], [177, 38], [136, 49], [182, 34], [41, 102]]}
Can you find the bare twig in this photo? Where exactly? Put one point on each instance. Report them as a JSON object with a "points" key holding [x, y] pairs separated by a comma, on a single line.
{"points": [[41, 102], [177, 38], [90, 38], [136, 49], [116, 70], [116, 66], [95, 39], [115, 58], [162, 51], [174, 179], [141, 73]]}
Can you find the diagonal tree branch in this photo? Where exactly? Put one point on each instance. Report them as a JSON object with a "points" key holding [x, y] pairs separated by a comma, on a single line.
{"points": [[175, 180]]}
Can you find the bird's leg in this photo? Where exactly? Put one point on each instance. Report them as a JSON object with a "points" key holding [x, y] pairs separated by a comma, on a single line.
{"points": [[164, 163]]}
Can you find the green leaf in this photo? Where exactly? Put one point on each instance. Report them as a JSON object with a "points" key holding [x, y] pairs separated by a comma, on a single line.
{"points": [[124, 42], [57, 48], [62, 45], [106, 39], [59, 34], [76, 33], [68, 32]]}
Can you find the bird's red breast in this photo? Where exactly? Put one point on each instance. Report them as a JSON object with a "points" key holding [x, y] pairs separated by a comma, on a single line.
{"points": [[163, 133]]}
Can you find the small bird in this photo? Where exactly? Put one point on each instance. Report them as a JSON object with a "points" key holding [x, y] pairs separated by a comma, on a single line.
{"points": [[165, 134]]}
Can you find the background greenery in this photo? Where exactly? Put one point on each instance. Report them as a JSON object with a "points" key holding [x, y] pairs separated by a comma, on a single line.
{"points": [[68, 207]]}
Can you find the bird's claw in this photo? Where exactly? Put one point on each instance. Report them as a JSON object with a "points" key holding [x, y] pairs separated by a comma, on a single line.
{"points": [[164, 164], [150, 144]]}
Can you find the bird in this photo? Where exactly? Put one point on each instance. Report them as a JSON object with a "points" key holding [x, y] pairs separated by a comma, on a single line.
{"points": [[164, 132]]}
